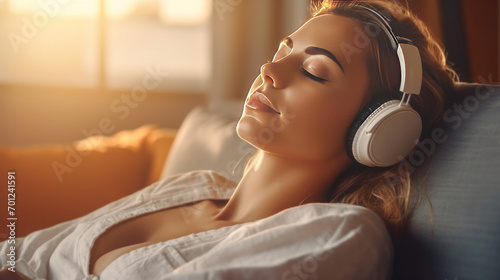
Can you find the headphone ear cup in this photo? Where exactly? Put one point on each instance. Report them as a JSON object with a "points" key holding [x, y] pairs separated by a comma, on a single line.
{"points": [[384, 134], [358, 121]]}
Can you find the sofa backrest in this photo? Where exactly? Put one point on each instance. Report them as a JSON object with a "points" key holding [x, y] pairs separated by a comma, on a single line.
{"points": [[460, 165]]}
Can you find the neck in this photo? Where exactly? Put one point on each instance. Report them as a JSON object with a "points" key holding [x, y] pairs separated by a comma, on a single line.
{"points": [[272, 183]]}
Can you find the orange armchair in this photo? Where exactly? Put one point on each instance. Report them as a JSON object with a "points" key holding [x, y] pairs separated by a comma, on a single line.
{"points": [[56, 183]]}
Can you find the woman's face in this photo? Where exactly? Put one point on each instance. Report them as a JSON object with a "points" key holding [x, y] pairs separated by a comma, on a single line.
{"points": [[303, 102]]}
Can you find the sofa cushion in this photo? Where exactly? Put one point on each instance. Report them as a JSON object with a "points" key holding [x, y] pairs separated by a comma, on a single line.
{"points": [[460, 237], [207, 139], [55, 183]]}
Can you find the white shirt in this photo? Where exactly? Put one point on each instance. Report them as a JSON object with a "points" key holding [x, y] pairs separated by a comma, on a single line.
{"points": [[311, 241]]}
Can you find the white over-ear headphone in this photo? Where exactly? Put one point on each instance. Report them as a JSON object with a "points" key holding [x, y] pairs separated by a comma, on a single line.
{"points": [[386, 132]]}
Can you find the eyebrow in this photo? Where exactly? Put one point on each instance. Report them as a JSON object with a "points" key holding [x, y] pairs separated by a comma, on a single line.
{"points": [[314, 51], [317, 50]]}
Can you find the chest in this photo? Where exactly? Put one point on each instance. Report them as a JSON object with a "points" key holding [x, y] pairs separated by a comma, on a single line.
{"points": [[152, 228]]}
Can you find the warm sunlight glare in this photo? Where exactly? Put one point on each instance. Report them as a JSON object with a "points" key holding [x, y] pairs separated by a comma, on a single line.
{"points": [[73, 8], [185, 12], [115, 9]]}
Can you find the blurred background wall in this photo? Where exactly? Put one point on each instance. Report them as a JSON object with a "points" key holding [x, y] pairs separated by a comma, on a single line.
{"points": [[74, 68], [469, 31]]}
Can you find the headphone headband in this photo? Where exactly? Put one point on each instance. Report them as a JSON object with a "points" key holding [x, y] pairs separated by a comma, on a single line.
{"points": [[408, 54], [385, 22]]}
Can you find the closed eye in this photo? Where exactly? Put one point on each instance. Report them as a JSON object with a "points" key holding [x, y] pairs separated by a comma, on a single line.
{"points": [[312, 77]]}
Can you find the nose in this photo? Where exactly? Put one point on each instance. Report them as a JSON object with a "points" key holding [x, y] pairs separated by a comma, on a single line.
{"points": [[270, 74]]}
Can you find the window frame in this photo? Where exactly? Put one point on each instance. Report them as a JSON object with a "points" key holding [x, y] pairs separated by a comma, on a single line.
{"points": [[178, 87]]}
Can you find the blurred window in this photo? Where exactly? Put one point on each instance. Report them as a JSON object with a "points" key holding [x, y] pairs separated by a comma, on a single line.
{"points": [[111, 44]]}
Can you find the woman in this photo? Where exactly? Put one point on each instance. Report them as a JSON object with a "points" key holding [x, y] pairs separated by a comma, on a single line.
{"points": [[276, 222]]}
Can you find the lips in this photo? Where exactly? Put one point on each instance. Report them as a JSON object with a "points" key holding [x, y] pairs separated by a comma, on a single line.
{"points": [[258, 101]]}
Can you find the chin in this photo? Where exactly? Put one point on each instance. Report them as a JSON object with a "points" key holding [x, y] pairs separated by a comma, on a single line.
{"points": [[257, 133], [246, 128]]}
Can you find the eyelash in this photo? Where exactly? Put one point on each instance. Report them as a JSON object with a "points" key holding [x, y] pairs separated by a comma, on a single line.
{"points": [[311, 76], [305, 73]]}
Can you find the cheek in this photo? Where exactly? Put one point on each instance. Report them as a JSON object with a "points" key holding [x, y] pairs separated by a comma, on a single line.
{"points": [[323, 129], [316, 125], [331, 114], [313, 124]]}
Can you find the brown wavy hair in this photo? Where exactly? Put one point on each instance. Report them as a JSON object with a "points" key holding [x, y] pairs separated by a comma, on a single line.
{"points": [[390, 191]]}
